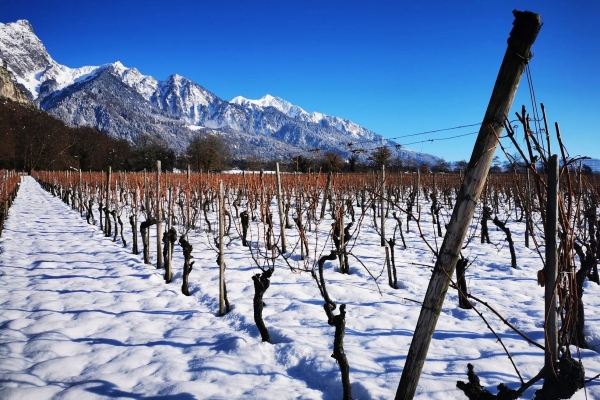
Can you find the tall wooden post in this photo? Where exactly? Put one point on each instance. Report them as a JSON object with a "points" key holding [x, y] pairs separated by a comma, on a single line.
{"points": [[551, 270], [80, 189], [381, 201], [418, 186], [188, 193], [107, 202], [524, 32], [221, 250], [168, 266], [158, 219], [325, 194], [342, 254], [528, 210], [281, 212]]}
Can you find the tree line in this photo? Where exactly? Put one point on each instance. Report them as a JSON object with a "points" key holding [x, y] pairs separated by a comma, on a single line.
{"points": [[32, 139]]}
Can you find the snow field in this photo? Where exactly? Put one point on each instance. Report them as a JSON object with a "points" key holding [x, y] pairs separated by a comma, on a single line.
{"points": [[83, 318]]}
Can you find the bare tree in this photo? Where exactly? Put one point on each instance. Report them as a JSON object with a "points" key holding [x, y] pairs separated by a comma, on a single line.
{"points": [[208, 152]]}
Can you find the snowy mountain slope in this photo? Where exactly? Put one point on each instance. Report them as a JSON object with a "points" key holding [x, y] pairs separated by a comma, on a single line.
{"points": [[29, 61], [124, 103], [345, 126]]}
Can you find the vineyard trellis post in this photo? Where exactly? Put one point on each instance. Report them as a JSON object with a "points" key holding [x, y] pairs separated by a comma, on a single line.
{"points": [[221, 250], [527, 208], [107, 201], [158, 219], [281, 211], [342, 252], [418, 186], [168, 242], [80, 200], [522, 36], [325, 194], [551, 232], [187, 201], [383, 243]]}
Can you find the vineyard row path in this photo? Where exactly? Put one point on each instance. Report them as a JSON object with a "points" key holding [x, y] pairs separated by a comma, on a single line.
{"points": [[82, 318]]}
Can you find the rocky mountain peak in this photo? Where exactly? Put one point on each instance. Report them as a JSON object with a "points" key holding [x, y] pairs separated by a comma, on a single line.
{"points": [[124, 103], [24, 53]]}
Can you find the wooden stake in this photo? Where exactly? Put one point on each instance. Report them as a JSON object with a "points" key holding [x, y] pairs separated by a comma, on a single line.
{"points": [[325, 195], [551, 270], [188, 193], [80, 194], [522, 36], [158, 219], [168, 265], [107, 202], [342, 254], [381, 206], [281, 212], [221, 250], [528, 209]]}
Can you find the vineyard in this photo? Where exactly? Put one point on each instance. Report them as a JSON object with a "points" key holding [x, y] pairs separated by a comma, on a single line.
{"points": [[330, 271]]}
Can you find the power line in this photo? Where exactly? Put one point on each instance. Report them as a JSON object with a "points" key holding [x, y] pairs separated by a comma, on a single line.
{"points": [[440, 139], [397, 146], [422, 133], [435, 131]]}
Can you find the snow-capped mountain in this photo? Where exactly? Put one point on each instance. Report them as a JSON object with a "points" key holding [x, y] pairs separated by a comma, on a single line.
{"points": [[30, 63], [124, 103], [348, 127]]}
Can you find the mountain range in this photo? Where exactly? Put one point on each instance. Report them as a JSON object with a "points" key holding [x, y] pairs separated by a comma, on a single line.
{"points": [[124, 103]]}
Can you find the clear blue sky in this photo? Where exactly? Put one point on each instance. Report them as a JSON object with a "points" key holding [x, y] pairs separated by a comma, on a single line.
{"points": [[394, 68]]}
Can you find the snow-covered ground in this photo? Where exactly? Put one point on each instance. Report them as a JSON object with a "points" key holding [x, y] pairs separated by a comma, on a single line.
{"points": [[83, 318]]}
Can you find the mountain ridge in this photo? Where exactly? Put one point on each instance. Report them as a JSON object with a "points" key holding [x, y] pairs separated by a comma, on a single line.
{"points": [[124, 103]]}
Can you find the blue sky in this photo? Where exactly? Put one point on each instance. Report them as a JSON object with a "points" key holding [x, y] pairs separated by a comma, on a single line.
{"points": [[395, 68]]}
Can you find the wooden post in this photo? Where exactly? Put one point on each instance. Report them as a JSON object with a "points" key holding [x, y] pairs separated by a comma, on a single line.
{"points": [[148, 213], [342, 254], [158, 219], [522, 36], [528, 209], [168, 266], [281, 212], [418, 187], [107, 202], [134, 210], [325, 194], [551, 270], [221, 250], [188, 193], [80, 200], [381, 205]]}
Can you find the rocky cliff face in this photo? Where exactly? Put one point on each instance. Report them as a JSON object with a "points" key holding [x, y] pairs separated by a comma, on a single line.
{"points": [[9, 89]]}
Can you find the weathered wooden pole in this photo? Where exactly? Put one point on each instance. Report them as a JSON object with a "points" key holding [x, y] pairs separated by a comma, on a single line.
{"points": [[418, 186], [524, 32], [168, 243], [342, 253], [221, 250], [528, 208], [325, 194], [107, 202], [381, 201], [134, 215], [281, 212], [80, 195], [188, 193], [158, 219], [551, 270]]}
